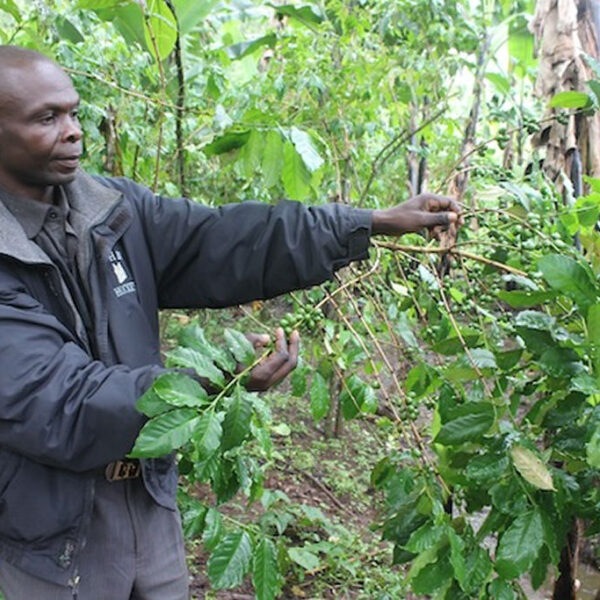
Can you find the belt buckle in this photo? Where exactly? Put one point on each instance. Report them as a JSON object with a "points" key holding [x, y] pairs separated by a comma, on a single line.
{"points": [[119, 470]]}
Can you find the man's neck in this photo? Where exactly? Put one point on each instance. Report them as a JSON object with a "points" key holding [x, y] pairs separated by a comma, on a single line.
{"points": [[46, 195]]}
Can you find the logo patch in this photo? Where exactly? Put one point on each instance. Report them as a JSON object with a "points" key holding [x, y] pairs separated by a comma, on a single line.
{"points": [[126, 285]]}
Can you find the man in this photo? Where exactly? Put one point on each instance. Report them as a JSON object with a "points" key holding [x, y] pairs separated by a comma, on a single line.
{"points": [[85, 264]]}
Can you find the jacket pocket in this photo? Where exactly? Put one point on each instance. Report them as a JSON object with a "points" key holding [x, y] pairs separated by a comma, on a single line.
{"points": [[39, 502]]}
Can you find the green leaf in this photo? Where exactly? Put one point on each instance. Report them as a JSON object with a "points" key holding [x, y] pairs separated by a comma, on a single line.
{"points": [[195, 338], [265, 570], [160, 28], [208, 433], [128, 20], [425, 537], [595, 87], [193, 518], [500, 589], [560, 362], [593, 324], [433, 577], [319, 397], [165, 433], [525, 298], [453, 344], [236, 425], [466, 423], [570, 278], [190, 358], [535, 320], [250, 154], [307, 14], [508, 359], [232, 140], [571, 99], [501, 83], [180, 390], [242, 49], [240, 346], [369, 404], [295, 175], [531, 468], [587, 209], [230, 560], [355, 393], [272, 160], [520, 544], [151, 404], [593, 336], [10, 7], [299, 381], [457, 558], [592, 449], [487, 468], [306, 149], [191, 12], [593, 182], [307, 560], [213, 528], [520, 45], [67, 30], [100, 4]]}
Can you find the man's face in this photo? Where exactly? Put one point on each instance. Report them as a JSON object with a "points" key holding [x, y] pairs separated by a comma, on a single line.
{"points": [[40, 136]]}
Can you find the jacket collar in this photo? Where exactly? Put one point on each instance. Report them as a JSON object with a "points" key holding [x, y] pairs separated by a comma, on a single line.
{"points": [[90, 203]]}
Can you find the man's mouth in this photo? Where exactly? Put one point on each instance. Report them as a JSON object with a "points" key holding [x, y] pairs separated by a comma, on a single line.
{"points": [[69, 162]]}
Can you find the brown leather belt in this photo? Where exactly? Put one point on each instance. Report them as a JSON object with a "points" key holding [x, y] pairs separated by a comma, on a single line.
{"points": [[119, 470]]}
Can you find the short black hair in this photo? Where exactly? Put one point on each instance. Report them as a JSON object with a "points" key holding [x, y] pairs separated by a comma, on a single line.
{"points": [[15, 56]]}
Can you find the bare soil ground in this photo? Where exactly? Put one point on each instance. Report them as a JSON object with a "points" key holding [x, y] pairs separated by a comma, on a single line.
{"points": [[329, 474]]}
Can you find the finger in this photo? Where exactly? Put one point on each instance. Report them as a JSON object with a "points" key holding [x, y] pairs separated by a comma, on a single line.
{"points": [[290, 364], [258, 340], [437, 203], [438, 219], [280, 341], [275, 368]]}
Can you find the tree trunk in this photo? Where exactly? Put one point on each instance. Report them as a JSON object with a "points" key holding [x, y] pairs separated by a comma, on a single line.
{"points": [[565, 30]]}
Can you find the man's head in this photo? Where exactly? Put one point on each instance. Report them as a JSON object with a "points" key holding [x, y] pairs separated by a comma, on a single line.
{"points": [[40, 136]]}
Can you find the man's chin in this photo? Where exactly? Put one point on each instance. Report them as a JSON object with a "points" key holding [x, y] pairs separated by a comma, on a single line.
{"points": [[63, 177]]}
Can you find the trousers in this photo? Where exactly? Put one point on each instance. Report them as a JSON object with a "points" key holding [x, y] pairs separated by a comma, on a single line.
{"points": [[134, 551]]}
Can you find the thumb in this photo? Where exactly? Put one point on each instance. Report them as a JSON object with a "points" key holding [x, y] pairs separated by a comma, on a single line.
{"points": [[435, 219]]}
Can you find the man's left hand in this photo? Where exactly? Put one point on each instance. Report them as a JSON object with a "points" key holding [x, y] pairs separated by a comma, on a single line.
{"points": [[277, 365], [425, 211]]}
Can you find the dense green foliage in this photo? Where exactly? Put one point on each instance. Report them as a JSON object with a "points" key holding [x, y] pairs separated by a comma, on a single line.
{"points": [[485, 381]]}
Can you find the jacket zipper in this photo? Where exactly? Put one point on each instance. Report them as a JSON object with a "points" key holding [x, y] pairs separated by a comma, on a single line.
{"points": [[74, 585]]}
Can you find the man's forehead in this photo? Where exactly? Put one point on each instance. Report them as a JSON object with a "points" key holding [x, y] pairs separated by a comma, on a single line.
{"points": [[25, 86]]}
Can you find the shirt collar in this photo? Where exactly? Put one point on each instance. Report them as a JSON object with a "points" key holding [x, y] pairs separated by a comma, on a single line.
{"points": [[30, 213]]}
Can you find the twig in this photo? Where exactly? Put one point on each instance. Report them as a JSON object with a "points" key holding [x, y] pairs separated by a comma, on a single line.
{"points": [[134, 93], [453, 250], [163, 90], [388, 150], [323, 488], [181, 101]]}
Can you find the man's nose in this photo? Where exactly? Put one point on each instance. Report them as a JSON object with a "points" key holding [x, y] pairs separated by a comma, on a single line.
{"points": [[72, 131]]}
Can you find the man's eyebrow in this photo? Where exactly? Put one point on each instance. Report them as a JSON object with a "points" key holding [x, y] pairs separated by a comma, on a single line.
{"points": [[57, 106]]}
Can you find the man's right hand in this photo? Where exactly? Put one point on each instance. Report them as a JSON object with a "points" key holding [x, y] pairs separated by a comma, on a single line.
{"points": [[275, 367]]}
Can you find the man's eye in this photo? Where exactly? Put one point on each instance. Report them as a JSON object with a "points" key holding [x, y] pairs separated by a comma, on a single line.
{"points": [[47, 119]]}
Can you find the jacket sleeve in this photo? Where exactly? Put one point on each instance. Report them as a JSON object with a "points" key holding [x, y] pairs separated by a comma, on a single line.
{"points": [[56, 403], [206, 257]]}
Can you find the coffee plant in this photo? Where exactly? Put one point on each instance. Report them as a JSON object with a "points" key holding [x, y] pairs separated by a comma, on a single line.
{"points": [[476, 361]]}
